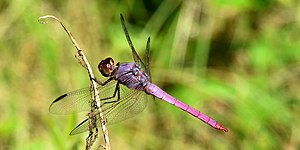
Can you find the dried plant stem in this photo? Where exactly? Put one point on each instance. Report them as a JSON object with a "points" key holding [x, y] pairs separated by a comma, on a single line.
{"points": [[84, 62]]}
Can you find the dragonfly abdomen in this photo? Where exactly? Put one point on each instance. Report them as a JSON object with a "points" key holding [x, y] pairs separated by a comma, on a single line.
{"points": [[159, 93], [196, 113]]}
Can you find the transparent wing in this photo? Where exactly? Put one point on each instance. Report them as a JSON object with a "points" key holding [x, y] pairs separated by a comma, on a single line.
{"points": [[135, 56], [148, 59], [128, 106], [79, 100], [130, 103]]}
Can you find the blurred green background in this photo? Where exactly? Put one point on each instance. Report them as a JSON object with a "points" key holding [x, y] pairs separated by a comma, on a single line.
{"points": [[236, 61]]}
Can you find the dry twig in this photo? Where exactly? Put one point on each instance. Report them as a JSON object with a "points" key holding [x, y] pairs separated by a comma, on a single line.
{"points": [[84, 62]]}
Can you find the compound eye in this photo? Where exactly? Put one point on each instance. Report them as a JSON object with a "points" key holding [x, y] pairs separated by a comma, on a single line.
{"points": [[106, 67]]}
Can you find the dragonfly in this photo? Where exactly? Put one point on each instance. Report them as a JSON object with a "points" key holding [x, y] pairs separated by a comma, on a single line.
{"points": [[124, 93]]}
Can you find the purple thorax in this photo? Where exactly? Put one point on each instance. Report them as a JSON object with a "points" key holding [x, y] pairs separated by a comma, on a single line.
{"points": [[131, 75]]}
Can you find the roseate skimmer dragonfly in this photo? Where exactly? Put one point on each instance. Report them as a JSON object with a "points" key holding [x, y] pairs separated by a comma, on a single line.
{"points": [[123, 94]]}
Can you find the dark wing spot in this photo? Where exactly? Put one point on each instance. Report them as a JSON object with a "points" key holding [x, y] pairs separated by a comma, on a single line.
{"points": [[59, 98]]}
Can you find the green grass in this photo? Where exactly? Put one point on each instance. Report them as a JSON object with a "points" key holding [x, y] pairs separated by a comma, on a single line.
{"points": [[236, 61]]}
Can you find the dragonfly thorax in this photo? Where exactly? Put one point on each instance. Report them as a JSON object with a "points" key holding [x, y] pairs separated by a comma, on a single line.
{"points": [[131, 75]]}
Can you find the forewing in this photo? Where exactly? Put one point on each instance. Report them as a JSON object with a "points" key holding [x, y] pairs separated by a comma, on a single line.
{"points": [[74, 101], [135, 56], [148, 59], [79, 100]]}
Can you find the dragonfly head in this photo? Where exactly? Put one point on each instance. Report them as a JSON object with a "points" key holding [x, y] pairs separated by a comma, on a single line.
{"points": [[106, 67]]}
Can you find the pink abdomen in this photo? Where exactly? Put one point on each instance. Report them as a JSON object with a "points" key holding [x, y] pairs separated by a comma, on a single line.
{"points": [[159, 93]]}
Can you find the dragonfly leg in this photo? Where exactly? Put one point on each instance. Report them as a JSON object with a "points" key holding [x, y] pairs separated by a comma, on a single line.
{"points": [[117, 91], [100, 82]]}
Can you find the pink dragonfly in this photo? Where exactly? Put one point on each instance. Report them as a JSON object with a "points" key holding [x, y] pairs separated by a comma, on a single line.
{"points": [[124, 93]]}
